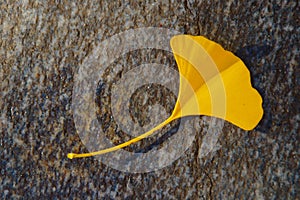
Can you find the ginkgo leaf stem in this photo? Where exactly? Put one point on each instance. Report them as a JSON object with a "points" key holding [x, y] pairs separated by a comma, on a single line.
{"points": [[125, 144]]}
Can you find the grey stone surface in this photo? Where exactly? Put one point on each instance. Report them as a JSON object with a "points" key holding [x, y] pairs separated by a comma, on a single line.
{"points": [[43, 43]]}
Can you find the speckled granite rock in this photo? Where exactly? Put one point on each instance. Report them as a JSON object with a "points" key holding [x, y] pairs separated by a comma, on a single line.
{"points": [[41, 48]]}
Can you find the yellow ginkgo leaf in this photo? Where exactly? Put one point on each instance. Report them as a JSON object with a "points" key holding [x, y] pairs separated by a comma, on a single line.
{"points": [[213, 82], [220, 81]]}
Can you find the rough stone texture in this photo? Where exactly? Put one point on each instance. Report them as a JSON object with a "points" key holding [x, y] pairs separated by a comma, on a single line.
{"points": [[42, 45]]}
